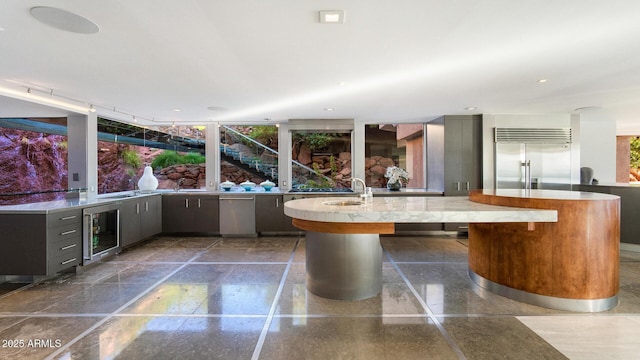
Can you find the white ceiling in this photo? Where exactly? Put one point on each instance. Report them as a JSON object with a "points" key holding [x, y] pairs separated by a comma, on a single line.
{"points": [[399, 60]]}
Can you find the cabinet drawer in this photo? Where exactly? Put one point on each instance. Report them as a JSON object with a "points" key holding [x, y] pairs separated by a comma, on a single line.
{"points": [[65, 260], [460, 227], [61, 233], [64, 246], [64, 218]]}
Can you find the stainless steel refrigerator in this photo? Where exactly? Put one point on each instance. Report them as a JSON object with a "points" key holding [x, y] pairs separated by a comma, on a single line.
{"points": [[533, 159]]}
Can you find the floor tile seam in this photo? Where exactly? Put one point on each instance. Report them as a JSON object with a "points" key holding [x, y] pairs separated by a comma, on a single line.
{"points": [[350, 316], [431, 262], [192, 315], [448, 339], [51, 315], [238, 263], [634, 315], [127, 304], [274, 305], [142, 262]]}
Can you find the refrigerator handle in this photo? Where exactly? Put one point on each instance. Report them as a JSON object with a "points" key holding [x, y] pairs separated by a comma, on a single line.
{"points": [[526, 176]]}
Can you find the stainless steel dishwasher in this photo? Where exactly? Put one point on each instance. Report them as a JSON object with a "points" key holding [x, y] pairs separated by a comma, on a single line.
{"points": [[238, 215]]}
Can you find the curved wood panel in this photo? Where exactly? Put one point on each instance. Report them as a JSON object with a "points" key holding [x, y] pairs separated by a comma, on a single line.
{"points": [[344, 228], [575, 258]]}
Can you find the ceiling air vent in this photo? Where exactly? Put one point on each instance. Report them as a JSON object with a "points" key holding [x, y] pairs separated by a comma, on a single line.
{"points": [[532, 136]]}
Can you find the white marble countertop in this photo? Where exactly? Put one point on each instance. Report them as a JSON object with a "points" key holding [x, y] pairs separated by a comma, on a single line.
{"points": [[412, 209], [549, 194], [46, 207]]}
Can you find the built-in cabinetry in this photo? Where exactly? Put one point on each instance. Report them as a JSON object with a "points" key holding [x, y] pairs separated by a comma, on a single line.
{"points": [[195, 213], [64, 240], [454, 157], [140, 218], [40, 244], [270, 215]]}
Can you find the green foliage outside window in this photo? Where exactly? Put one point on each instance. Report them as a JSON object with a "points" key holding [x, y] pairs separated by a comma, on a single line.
{"points": [[131, 158], [169, 157], [315, 141], [264, 134], [635, 152]]}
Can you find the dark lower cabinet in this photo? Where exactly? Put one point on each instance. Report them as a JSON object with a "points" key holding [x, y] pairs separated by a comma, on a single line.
{"points": [[40, 244], [140, 218], [270, 215], [190, 213]]}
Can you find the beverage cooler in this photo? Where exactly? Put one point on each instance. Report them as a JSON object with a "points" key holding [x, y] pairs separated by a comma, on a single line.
{"points": [[101, 232]]}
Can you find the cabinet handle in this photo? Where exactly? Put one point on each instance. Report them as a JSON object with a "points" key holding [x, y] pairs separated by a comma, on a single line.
{"points": [[68, 217], [458, 186], [468, 186], [67, 232], [137, 208], [68, 247], [68, 261], [146, 206], [186, 203], [199, 203], [277, 203]]}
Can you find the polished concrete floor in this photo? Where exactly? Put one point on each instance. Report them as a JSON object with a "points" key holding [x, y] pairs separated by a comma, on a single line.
{"points": [[221, 298]]}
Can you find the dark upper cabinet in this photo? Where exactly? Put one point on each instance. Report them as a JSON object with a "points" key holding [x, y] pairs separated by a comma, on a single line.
{"points": [[454, 154]]}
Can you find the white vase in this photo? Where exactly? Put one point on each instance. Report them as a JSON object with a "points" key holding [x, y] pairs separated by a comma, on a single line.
{"points": [[148, 181]]}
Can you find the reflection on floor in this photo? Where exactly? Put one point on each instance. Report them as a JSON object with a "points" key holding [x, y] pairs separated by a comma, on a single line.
{"points": [[221, 298]]}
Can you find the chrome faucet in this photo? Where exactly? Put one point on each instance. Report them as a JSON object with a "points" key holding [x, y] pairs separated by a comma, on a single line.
{"points": [[134, 181], [366, 195]]}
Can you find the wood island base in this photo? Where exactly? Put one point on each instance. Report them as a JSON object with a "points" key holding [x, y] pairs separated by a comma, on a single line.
{"points": [[572, 264]]}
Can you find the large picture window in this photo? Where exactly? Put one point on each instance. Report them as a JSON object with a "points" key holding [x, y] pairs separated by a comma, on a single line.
{"points": [[400, 145]]}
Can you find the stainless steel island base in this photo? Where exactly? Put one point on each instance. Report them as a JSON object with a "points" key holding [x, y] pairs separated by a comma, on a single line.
{"points": [[344, 266]]}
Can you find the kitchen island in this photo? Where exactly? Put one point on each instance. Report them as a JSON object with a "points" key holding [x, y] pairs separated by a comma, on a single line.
{"points": [[344, 256], [557, 249]]}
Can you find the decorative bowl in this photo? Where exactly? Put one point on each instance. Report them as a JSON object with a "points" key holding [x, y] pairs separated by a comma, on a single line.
{"points": [[227, 185], [267, 185], [247, 185]]}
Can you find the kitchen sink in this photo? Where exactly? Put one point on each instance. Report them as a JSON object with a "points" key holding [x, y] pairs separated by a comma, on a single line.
{"points": [[121, 196], [343, 202]]}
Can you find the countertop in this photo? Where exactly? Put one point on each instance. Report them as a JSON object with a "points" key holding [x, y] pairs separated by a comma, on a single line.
{"points": [[412, 209], [623, 185], [59, 205], [548, 194], [46, 207]]}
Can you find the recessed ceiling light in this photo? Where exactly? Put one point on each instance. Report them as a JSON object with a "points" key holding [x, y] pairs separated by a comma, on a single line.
{"points": [[329, 109], [331, 16], [469, 108], [342, 83], [64, 20], [217, 108], [542, 81], [176, 109]]}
